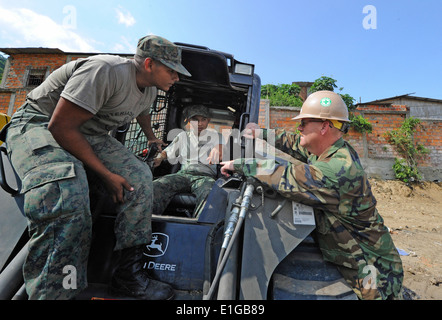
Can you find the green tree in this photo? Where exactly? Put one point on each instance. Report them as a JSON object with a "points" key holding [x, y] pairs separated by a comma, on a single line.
{"points": [[323, 83], [402, 139], [282, 94]]}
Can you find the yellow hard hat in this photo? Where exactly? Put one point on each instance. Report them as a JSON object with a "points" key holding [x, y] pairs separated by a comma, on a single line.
{"points": [[326, 105]]}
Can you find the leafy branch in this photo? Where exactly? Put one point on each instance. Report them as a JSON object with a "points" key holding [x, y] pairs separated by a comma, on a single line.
{"points": [[411, 152], [282, 94]]}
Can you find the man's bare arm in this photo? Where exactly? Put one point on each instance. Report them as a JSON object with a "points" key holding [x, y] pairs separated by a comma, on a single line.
{"points": [[65, 127]]}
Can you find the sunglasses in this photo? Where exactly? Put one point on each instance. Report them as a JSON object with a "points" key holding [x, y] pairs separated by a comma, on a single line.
{"points": [[305, 122]]}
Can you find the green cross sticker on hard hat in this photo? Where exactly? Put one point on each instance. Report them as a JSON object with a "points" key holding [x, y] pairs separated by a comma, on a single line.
{"points": [[326, 102]]}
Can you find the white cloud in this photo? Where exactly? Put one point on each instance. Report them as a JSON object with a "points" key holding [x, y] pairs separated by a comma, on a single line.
{"points": [[26, 28], [125, 17], [124, 46]]}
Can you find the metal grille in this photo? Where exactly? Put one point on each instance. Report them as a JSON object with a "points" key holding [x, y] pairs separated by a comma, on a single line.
{"points": [[135, 139], [159, 114], [36, 77]]}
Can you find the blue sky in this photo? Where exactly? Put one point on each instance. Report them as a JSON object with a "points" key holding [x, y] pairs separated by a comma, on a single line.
{"points": [[374, 48]]}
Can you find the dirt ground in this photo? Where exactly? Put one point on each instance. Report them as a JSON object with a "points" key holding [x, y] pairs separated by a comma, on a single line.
{"points": [[414, 217]]}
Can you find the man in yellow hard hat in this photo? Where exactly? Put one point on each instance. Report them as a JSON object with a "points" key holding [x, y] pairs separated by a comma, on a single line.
{"points": [[327, 175]]}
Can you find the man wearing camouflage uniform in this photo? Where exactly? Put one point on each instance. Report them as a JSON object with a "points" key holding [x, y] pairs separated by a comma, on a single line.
{"points": [[326, 174], [198, 150], [61, 130]]}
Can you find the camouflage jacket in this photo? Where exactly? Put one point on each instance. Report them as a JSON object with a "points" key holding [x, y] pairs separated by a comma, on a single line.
{"points": [[350, 231]]}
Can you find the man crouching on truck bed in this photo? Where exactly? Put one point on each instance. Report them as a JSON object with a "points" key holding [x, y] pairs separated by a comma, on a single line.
{"points": [[61, 130], [328, 176]]}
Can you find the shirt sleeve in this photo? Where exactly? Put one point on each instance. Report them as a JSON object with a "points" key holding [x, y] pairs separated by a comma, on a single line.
{"points": [[296, 181], [286, 141]]}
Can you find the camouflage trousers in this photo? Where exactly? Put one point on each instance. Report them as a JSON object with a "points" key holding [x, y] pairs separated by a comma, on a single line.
{"points": [[57, 204], [166, 187], [373, 286]]}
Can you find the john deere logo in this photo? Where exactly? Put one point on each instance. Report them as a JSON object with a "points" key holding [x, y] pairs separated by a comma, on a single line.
{"points": [[158, 245], [326, 102]]}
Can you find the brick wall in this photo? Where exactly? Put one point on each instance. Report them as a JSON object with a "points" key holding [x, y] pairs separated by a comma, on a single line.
{"points": [[383, 118], [5, 98], [17, 69], [430, 135], [16, 78], [14, 89], [357, 141], [376, 154]]}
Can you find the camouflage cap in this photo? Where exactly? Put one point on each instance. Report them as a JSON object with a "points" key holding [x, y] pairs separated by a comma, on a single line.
{"points": [[163, 50], [196, 110]]}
